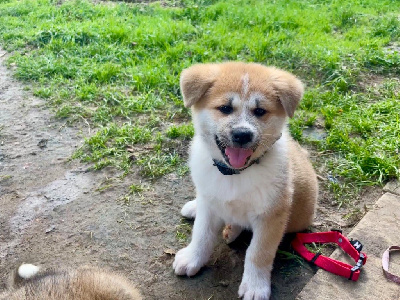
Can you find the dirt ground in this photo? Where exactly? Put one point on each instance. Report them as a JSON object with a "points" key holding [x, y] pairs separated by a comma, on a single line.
{"points": [[54, 212]]}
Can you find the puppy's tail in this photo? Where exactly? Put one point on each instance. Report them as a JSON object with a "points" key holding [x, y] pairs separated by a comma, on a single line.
{"points": [[24, 272], [27, 271]]}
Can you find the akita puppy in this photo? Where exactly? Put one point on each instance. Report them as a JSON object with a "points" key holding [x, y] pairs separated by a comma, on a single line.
{"points": [[85, 283], [247, 170]]}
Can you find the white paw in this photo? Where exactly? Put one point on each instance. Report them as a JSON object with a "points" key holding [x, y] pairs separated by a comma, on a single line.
{"points": [[255, 285], [247, 291], [189, 209], [231, 232], [187, 262]]}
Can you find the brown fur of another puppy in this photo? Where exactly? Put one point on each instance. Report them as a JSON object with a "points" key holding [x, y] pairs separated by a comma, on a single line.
{"points": [[84, 283]]}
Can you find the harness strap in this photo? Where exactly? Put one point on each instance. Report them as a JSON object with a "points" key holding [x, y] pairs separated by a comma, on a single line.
{"points": [[385, 264], [326, 263]]}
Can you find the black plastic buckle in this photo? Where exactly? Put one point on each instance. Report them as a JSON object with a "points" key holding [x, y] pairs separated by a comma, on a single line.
{"points": [[358, 265], [357, 245]]}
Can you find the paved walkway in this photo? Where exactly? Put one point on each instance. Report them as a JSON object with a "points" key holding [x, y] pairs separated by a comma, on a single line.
{"points": [[379, 229]]}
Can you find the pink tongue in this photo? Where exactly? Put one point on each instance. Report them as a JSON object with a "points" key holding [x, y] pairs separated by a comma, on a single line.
{"points": [[238, 156]]}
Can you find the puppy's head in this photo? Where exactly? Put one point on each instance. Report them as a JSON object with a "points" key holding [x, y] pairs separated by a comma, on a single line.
{"points": [[239, 109]]}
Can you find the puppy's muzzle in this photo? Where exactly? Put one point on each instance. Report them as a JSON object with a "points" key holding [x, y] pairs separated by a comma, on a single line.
{"points": [[241, 136]]}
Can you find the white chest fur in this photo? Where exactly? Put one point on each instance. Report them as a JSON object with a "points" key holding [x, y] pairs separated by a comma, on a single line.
{"points": [[239, 198]]}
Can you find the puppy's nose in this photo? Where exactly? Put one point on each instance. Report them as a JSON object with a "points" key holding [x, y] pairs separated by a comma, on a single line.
{"points": [[242, 136]]}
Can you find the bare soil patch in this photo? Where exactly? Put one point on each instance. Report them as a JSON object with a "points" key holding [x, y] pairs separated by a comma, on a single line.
{"points": [[55, 212]]}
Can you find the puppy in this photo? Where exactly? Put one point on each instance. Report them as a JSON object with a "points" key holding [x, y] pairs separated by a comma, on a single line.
{"points": [[85, 283], [247, 170]]}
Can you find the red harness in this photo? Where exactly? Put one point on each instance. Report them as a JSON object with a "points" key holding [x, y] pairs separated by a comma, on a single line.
{"points": [[353, 248]]}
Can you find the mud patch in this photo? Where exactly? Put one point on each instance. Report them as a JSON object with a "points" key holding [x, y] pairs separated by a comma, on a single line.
{"points": [[42, 201], [314, 133], [58, 192]]}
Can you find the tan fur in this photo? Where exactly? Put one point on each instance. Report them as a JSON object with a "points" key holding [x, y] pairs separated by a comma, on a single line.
{"points": [[200, 82], [84, 283], [196, 81], [274, 224], [305, 189]]}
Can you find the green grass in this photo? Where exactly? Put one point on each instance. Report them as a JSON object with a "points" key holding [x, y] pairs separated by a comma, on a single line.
{"points": [[183, 231], [5, 177], [116, 66]]}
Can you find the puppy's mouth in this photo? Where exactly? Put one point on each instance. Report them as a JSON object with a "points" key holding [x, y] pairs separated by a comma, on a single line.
{"points": [[235, 156]]}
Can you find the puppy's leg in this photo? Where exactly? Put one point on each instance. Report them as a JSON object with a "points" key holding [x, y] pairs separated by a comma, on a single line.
{"points": [[207, 226], [267, 234], [189, 209], [231, 232]]}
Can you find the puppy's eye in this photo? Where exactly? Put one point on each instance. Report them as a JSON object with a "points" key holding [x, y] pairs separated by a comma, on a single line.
{"points": [[259, 112], [226, 109]]}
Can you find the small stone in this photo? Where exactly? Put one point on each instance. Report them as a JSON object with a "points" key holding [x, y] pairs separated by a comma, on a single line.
{"points": [[224, 283], [43, 143], [392, 187], [170, 251], [50, 229]]}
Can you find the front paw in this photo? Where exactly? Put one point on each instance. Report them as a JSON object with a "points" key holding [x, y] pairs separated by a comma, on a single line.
{"points": [[187, 262], [256, 289], [189, 209]]}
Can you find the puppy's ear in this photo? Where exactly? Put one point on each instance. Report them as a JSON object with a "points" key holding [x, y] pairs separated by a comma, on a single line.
{"points": [[196, 81], [289, 89]]}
